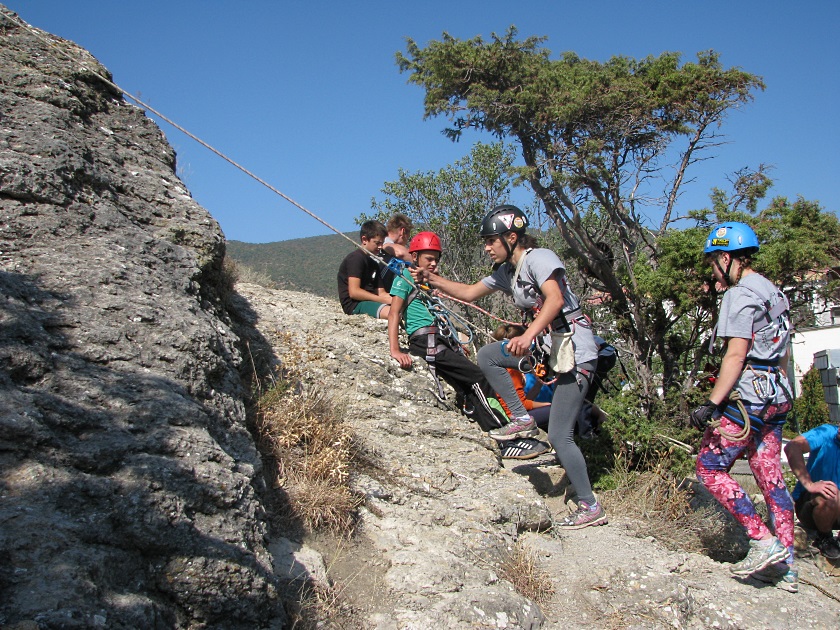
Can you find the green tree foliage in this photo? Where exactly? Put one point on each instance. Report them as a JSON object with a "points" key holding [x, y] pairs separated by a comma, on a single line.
{"points": [[452, 202], [607, 148], [810, 408]]}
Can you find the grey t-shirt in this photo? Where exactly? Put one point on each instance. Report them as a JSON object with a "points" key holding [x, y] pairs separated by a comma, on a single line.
{"points": [[539, 266], [744, 305]]}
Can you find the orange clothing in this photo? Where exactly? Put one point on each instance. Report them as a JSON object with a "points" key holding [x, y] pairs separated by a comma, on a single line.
{"points": [[519, 385]]}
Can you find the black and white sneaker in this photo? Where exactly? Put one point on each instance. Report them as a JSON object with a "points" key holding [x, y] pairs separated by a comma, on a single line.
{"points": [[524, 449]]}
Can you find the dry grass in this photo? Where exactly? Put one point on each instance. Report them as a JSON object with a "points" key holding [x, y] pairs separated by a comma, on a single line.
{"points": [[323, 608], [303, 430], [662, 507], [312, 446], [234, 272], [521, 567]]}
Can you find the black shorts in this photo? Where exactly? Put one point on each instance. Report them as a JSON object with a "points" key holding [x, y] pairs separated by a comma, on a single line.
{"points": [[805, 511]]}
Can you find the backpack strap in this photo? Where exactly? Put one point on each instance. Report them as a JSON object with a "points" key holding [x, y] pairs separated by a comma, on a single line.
{"points": [[771, 313]]}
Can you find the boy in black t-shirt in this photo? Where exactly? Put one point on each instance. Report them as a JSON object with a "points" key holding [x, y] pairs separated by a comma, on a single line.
{"points": [[360, 288]]}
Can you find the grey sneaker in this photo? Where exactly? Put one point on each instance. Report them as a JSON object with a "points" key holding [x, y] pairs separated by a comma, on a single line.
{"points": [[781, 575], [516, 428], [584, 516], [759, 557]]}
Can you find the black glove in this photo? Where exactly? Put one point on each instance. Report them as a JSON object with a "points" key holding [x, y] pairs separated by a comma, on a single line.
{"points": [[702, 416]]}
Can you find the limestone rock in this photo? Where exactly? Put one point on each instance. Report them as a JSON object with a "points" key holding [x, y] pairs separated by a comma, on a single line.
{"points": [[129, 479]]}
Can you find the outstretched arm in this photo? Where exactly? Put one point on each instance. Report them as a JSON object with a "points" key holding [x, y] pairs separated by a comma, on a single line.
{"points": [[466, 292]]}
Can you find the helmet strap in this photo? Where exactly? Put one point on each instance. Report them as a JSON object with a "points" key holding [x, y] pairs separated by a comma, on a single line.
{"points": [[724, 272], [508, 248]]}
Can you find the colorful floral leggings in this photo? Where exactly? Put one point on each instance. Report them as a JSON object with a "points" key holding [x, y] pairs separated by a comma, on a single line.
{"points": [[763, 448]]}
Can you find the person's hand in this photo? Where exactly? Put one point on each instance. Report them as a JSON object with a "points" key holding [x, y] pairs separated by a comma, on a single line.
{"points": [[826, 489], [420, 275], [702, 416], [519, 346], [403, 359]]}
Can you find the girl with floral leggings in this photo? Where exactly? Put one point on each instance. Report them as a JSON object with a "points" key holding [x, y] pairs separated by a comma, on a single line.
{"points": [[748, 405]]}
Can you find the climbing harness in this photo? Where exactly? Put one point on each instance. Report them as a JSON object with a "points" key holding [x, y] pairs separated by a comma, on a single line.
{"points": [[445, 328], [766, 376], [433, 346]]}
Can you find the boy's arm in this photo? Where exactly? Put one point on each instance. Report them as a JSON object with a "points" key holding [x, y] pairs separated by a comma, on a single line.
{"points": [[356, 292], [400, 251], [394, 332]]}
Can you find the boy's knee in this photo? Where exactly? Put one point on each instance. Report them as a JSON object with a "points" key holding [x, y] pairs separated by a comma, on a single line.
{"points": [[826, 506]]}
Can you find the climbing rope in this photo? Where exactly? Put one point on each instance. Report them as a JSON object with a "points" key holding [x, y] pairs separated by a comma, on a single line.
{"points": [[735, 397], [478, 308]]}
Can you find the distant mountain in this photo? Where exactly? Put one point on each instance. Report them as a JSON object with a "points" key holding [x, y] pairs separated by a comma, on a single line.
{"points": [[302, 264]]}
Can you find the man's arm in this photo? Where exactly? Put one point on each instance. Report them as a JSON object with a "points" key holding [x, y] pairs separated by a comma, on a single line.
{"points": [[397, 250], [356, 292], [394, 332], [795, 451]]}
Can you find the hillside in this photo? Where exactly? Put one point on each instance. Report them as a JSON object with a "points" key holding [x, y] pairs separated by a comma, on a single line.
{"points": [[302, 264], [441, 509]]}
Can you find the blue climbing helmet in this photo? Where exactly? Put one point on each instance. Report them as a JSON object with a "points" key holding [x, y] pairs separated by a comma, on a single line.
{"points": [[732, 237]]}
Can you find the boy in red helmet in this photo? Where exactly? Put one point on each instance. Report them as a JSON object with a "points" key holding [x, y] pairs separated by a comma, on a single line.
{"points": [[446, 362]]}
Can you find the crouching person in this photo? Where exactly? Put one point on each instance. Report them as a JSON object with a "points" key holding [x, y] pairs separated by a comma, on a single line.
{"points": [[409, 306], [815, 496]]}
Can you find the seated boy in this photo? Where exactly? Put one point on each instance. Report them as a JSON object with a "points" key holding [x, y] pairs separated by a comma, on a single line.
{"points": [[360, 288], [399, 232], [395, 245], [425, 341]]}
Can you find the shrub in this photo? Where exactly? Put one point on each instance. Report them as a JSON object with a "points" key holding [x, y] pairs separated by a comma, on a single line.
{"points": [[313, 448], [642, 440], [810, 409], [521, 567]]}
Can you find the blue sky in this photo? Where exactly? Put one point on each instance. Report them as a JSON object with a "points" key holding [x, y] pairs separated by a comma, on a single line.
{"points": [[307, 94]]}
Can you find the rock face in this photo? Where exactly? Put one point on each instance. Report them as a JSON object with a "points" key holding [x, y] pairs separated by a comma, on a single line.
{"points": [[127, 475], [131, 492]]}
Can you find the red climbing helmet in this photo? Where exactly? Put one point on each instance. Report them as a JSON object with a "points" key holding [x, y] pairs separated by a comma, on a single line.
{"points": [[423, 241]]}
